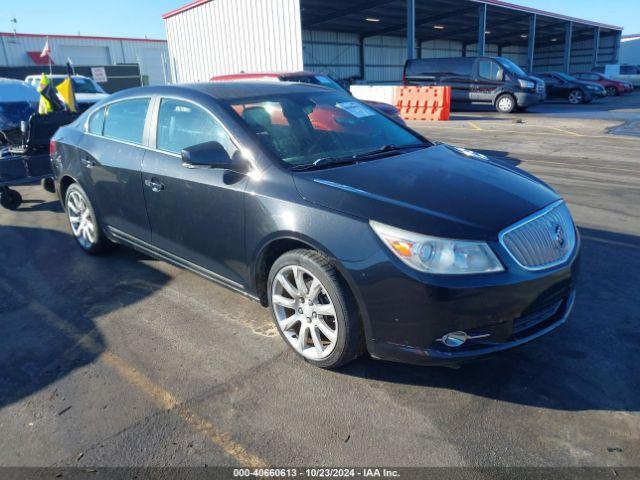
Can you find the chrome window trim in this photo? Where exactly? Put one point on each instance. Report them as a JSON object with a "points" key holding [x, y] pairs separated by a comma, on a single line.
{"points": [[248, 155], [124, 142], [529, 219]]}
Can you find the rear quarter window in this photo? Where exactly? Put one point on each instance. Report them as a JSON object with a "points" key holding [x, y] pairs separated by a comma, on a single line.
{"points": [[96, 122]]}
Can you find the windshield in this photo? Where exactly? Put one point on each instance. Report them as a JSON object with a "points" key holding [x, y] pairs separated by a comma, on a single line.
{"points": [[86, 85], [323, 80], [302, 128], [510, 66]]}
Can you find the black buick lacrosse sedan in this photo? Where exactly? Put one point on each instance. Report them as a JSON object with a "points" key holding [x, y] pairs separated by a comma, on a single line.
{"points": [[357, 233]]}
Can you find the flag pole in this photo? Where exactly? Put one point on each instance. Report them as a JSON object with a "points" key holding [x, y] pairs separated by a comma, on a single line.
{"points": [[49, 56]]}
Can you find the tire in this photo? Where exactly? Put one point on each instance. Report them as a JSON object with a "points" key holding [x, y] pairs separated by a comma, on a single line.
{"points": [[612, 91], [505, 103], [330, 339], [48, 185], [576, 96], [84, 222], [10, 199]]}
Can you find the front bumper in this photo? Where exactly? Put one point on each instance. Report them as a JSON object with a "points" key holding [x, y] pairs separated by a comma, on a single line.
{"points": [[526, 99], [407, 312]]}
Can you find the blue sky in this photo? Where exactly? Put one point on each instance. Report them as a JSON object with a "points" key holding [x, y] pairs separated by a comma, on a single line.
{"points": [[140, 18]]}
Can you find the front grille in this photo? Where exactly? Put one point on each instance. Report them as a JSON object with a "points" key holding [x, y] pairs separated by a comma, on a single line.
{"points": [[543, 240], [540, 87]]}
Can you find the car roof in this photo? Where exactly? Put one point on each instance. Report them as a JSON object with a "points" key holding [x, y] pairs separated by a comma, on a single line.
{"points": [[240, 76], [225, 90]]}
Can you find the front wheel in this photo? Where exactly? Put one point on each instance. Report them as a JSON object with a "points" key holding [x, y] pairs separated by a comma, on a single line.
{"points": [[576, 97], [84, 222], [506, 103], [612, 91], [313, 309]]}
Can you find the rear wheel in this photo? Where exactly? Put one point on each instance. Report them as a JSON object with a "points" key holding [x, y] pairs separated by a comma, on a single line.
{"points": [[575, 97], [505, 103], [84, 222], [48, 185], [10, 199], [313, 310], [612, 91]]}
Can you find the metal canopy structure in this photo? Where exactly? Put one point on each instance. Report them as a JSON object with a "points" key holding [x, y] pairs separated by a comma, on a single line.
{"points": [[369, 41], [471, 22]]}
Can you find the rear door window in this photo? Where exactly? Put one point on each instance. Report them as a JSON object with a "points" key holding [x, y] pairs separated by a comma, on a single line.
{"points": [[125, 120]]}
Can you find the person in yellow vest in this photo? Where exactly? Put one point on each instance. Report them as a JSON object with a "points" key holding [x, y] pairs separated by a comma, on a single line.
{"points": [[49, 101]]}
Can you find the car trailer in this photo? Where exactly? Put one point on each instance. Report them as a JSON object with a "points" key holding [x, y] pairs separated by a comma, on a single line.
{"points": [[28, 161]]}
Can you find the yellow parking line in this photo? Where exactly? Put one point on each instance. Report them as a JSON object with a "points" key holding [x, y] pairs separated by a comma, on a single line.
{"points": [[163, 399], [475, 126], [568, 132]]}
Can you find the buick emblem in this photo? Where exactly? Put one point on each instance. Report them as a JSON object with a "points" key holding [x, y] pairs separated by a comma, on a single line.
{"points": [[558, 236]]}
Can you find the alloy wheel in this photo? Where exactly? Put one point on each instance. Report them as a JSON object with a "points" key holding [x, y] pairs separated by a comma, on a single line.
{"points": [[575, 97], [82, 222], [505, 104], [304, 311]]}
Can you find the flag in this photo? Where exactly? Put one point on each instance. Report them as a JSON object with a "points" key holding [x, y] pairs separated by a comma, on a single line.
{"points": [[49, 101], [66, 91], [46, 51]]}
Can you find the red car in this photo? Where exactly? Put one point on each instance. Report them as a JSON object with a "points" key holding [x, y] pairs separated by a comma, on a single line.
{"points": [[613, 87], [309, 77]]}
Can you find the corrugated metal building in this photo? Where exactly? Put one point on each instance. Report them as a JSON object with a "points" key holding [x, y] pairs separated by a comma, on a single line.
{"points": [[21, 50], [370, 40], [630, 50]]}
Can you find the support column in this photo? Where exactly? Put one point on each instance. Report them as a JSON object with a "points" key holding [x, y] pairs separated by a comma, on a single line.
{"points": [[482, 28], [568, 34], [411, 29], [361, 55], [532, 41], [616, 47], [596, 47]]}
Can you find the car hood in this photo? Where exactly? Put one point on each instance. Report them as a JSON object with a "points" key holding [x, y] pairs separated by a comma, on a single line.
{"points": [[383, 107], [434, 191], [587, 84]]}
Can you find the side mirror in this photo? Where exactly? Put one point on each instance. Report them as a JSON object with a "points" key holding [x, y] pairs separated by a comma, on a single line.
{"points": [[212, 155]]}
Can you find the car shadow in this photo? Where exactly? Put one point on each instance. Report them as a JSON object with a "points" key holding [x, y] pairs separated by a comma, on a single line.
{"points": [[51, 294], [590, 363], [41, 206]]}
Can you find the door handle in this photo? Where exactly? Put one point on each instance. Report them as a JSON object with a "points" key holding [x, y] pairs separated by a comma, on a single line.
{"points": [[87, 163], [154, 185]]}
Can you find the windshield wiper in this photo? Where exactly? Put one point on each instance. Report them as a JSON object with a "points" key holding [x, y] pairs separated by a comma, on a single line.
{"points": [[348, 159]]}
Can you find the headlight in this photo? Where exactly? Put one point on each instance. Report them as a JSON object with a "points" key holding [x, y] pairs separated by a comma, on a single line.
{"points": [[592, 87], [526, 84], [438, 255]]}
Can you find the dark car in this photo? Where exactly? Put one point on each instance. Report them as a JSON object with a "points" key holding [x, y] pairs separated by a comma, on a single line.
{"points": [[613, 87], [561, 85], [367, 238], [309, 77], [491, 80]]}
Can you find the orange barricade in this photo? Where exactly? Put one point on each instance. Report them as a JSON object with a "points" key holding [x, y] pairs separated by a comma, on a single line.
{"points": [[423, 103]]}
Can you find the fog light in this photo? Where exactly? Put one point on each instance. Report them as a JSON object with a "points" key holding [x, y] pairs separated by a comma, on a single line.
{"points": [[457, 339]]}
